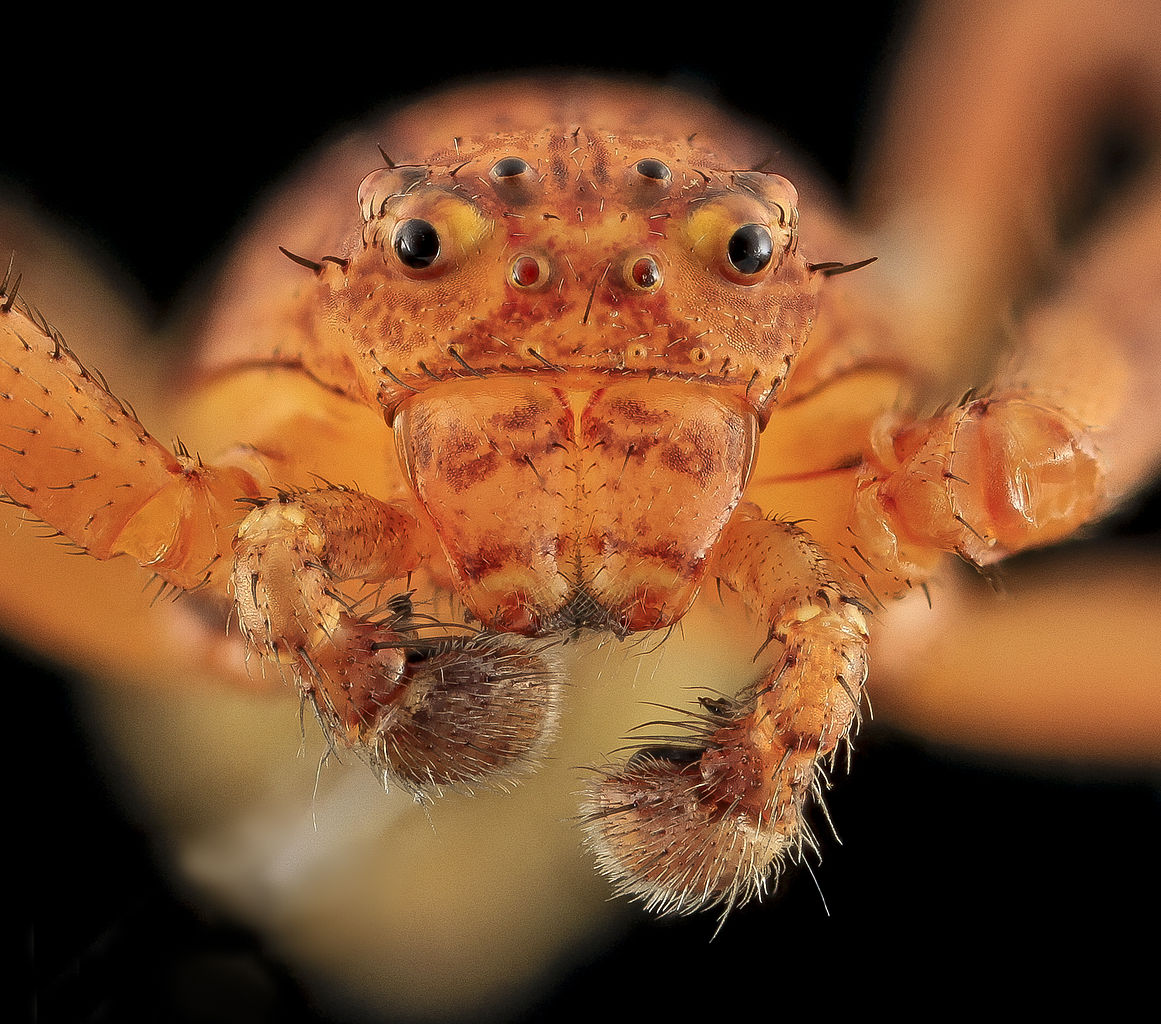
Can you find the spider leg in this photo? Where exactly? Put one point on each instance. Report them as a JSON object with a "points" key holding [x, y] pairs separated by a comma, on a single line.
{"points": [[992, 476], [1063, 666], [991, 162], [700, 821], [1065, 663], [76, 457], [1093, 344], [1017, 213], [429, 712], [1017, 202]]}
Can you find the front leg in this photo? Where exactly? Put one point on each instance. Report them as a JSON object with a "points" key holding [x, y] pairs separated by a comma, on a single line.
{"points": [[703, 820], [76, 457], [426, 711]]}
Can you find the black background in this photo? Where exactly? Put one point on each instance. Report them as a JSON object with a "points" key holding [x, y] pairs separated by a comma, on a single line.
{"points": [[958, 884]]}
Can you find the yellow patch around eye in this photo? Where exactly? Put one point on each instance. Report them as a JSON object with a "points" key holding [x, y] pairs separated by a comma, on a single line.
{"points": [[711, 225], [708, 230], [461, 226]]}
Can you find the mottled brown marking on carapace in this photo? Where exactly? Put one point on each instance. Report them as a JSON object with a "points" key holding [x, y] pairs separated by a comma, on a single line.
{"points": [[547, 500]]}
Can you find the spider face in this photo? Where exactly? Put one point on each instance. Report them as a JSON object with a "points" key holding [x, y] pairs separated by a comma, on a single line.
{"points": [[613, 542], [569, 253]]}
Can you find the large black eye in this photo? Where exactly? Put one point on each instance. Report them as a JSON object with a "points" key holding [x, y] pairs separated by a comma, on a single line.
{"points": [[750, 249], [416, 243]]}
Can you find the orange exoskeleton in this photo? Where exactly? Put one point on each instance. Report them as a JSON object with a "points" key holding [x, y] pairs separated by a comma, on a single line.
{"points": [[567, 365]]}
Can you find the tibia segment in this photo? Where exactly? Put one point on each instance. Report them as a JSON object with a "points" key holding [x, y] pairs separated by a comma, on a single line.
{"points": [[291, 551]]}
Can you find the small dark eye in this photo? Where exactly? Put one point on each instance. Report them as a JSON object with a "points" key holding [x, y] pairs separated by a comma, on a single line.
{"points": [[652, 168], [525, 271], [509, 167], [645, 273], [416, 244], [750, 249]]}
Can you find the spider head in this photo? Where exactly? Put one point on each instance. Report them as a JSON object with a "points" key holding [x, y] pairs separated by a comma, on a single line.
{"points": [[573, 251]]}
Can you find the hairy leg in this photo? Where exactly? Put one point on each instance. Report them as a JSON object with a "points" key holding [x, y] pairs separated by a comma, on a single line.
{"points": [[702, 819], [426, 710]]}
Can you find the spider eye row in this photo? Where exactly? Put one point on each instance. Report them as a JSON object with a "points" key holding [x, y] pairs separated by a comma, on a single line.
{"points": [[743, 252]]}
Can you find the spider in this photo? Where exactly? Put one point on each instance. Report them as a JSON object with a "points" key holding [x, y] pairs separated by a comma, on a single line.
{"points": [[713, 705]]}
